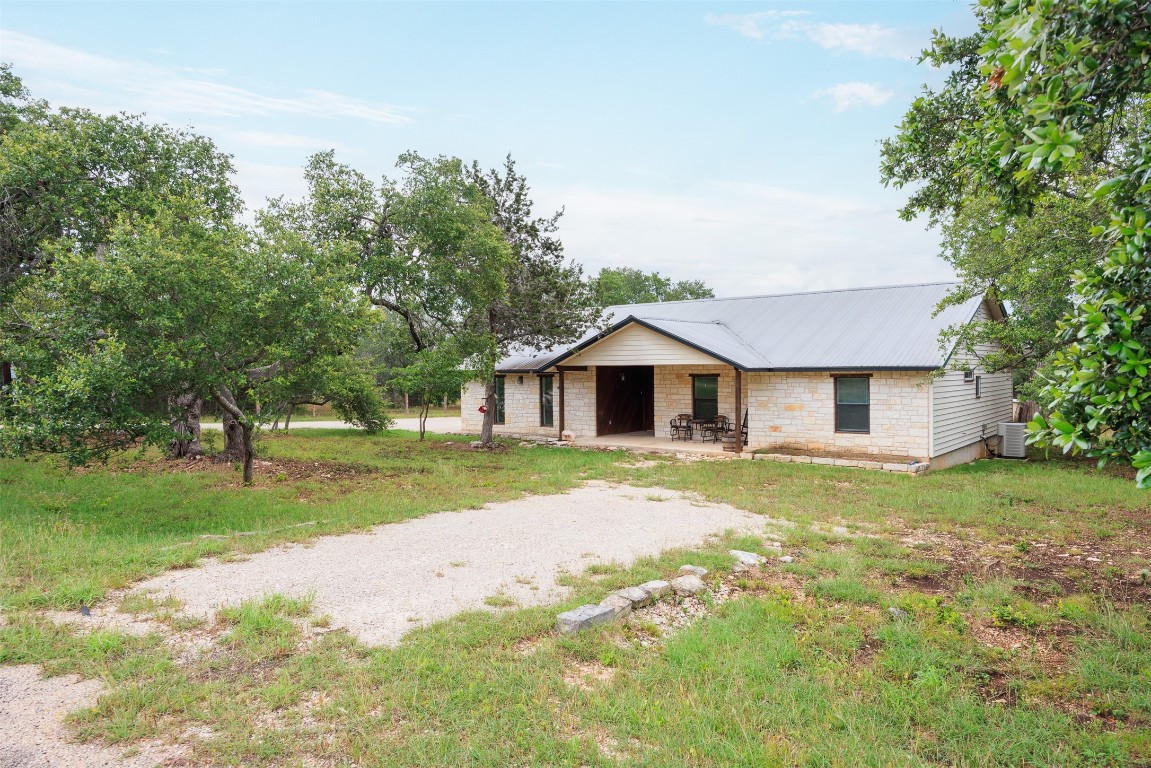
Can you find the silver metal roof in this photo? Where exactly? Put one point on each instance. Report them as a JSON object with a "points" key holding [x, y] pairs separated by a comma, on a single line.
{"points": [[889, 327]]}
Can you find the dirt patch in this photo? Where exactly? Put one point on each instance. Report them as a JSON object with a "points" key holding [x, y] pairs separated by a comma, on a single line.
{"points": [[587, 675]]}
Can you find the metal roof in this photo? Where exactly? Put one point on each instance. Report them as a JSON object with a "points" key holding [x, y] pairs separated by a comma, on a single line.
{"points": [[888, 327]]}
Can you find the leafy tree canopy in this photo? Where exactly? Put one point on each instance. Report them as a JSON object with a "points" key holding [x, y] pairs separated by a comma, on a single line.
{"points": [[1050, 98], [625, 285], [73, 174]]}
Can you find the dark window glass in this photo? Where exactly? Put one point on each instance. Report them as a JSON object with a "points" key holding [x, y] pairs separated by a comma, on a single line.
{"points": [[853, 404], [705, 397], [547, 412], [499, 418], [979, 386]]}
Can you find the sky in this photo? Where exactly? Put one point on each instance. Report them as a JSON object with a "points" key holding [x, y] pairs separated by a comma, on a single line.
{"points": [[732, 142]]}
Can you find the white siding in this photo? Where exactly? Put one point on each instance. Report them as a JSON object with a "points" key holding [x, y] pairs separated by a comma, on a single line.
{"points": [[636, 345], [960, 418]]}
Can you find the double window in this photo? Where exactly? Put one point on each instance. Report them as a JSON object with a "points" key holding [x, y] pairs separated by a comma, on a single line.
{"points": [[547, 410], [852, 404], [704, 397], [500, 400]]}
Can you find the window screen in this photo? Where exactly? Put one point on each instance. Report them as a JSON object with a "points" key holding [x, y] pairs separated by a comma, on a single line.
{"points": [[852, 404], [705, 397], [547, 412]]}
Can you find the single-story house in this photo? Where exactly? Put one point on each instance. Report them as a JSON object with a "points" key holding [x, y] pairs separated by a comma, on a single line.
{"points": [[858, 371]]}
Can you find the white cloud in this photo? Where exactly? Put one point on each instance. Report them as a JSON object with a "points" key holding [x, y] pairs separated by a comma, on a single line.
{"points": [[758, 25], [872, 40], [165, 90], [845, 96], [747, 238]]}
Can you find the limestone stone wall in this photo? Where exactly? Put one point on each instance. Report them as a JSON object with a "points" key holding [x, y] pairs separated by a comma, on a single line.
{"points": [[673, 393], [522, 406], [797, 410]]}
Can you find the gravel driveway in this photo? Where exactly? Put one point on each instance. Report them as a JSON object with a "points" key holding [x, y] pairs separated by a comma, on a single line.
{"points": [[380, 584]]}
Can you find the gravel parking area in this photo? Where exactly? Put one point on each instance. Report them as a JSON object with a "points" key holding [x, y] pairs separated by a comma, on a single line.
{"points": [[381, 584], [32, 731]]}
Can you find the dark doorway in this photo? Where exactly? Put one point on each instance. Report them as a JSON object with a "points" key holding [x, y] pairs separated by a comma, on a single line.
{"points": [[624, 399]]}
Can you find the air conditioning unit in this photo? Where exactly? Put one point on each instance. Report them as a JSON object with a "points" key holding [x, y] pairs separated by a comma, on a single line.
{"points": [[1012, 440]]}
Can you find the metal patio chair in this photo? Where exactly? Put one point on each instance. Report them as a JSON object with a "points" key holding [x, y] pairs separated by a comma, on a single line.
{"points": [[717, 428], [681, 427]]}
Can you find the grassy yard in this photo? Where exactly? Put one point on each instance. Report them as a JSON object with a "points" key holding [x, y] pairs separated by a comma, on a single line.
{"points": [[1018, 635]]}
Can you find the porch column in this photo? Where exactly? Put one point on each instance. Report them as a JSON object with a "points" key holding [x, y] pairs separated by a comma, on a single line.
{"points": [[561, 374], [738, 411]]}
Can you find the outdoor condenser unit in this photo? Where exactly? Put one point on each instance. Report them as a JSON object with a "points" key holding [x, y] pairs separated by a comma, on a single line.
{"points": [[1012, 440]]}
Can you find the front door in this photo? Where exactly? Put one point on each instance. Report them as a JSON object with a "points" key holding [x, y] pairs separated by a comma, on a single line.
{"points": [[624, 399]]}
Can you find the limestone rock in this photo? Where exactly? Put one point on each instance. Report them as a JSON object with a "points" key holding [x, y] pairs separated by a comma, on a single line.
{"points": [[694, 570], [689, 584], [748, 558], [787, 559], [618, 604], [656, 589], [637, 597], [584, 617]]}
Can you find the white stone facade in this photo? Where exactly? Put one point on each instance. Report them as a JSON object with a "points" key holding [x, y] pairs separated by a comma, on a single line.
{"points": [[797, 410], [522, 405], [785, 410]]}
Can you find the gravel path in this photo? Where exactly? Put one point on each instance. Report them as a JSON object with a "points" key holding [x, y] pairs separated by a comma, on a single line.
{"points": [[381, 584], [32, 732]]}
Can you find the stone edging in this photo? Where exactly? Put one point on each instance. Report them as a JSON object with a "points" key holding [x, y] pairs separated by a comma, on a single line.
{"points": [[911, 468]]}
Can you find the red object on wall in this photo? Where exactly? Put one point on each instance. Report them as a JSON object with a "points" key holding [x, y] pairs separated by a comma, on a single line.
{"points": [[483, 409]]}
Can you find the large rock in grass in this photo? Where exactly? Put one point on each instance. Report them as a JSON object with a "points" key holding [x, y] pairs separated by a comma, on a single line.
{"points": [[689, 584], [585, 617], [694, 570], [656, 589], [747, 558], [618, 604], [637, 596]]}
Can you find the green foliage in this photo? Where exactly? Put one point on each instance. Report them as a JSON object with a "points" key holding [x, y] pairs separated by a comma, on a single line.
{"points": [[71, 173], [625, 285], [1053, 99]]}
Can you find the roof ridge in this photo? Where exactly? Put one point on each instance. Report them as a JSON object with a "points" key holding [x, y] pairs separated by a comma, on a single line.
{"points": [[741, 340], [792, 293]]}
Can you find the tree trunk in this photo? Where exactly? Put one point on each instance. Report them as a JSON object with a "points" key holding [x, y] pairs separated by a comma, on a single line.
{"points": [[288, 418], [249, 452], [233, 438], [239, 424], [424, 419], [489, 414], [186, 444]]}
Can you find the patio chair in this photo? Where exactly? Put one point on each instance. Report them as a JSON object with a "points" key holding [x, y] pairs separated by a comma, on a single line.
{"points": [[743, 429], [681, 427], [717, 428]]}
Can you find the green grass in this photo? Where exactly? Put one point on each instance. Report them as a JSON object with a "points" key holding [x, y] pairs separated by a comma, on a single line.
{"points": [[1030, 661]]}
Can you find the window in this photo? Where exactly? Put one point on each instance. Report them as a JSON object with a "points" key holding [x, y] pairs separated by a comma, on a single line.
{"points": [[969, 375], [704, 397], [852, 404], [978, 386], [499, 416], [547, 412]]}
